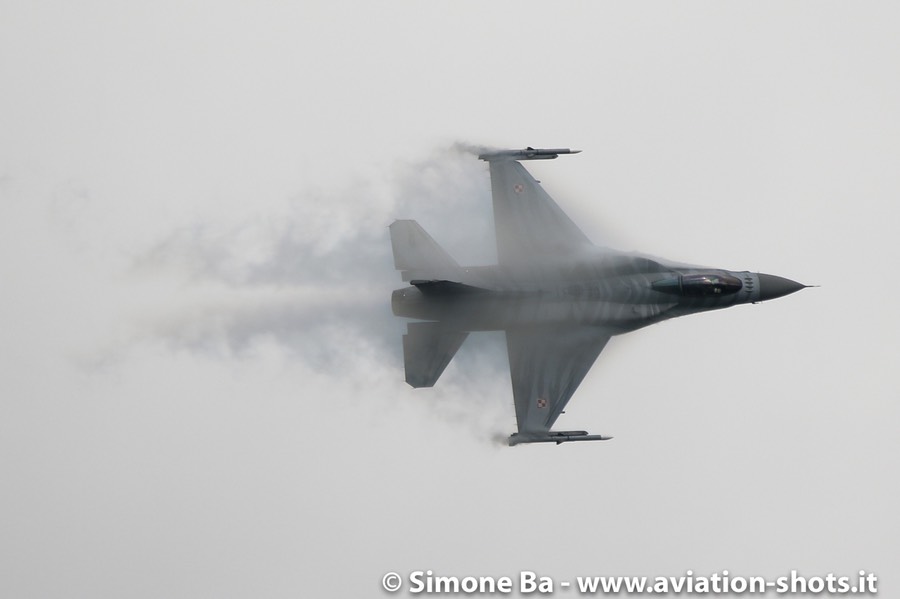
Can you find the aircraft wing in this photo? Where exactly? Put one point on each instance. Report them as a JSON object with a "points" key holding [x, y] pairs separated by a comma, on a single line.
{"points": [[546, 365], [529, 224]]}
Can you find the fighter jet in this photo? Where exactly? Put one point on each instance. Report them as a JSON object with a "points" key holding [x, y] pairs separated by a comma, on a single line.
{"points": [[558, 297]]}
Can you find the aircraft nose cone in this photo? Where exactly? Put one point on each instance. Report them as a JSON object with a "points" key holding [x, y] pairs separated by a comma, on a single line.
{"points": [[771, 286]]}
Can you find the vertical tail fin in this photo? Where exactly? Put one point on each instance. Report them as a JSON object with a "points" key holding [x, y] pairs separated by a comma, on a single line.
{"points": [[418, 255]]}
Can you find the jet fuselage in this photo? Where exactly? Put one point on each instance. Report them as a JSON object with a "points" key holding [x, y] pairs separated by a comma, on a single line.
{"points": [[618, 291]]}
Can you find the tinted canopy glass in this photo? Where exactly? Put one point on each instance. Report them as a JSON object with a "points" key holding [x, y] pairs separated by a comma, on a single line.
{"points": [[699, 285], [709, 284]]}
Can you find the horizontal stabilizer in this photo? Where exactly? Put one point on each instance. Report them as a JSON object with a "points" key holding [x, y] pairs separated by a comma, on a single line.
{"points": [[427, 349]]}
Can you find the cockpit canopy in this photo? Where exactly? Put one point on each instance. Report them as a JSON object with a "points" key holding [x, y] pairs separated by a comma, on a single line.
{"points": [[699, 285]]}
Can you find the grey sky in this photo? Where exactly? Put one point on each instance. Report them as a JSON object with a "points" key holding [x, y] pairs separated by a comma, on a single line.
{"points": [[201, 388]]}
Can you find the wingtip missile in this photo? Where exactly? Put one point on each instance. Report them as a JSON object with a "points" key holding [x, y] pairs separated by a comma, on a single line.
{"points": [[557, 437], [528, 153]]}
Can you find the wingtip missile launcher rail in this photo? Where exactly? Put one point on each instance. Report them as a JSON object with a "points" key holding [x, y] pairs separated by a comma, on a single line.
{"points": [[528, 153], [554, 437]]}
